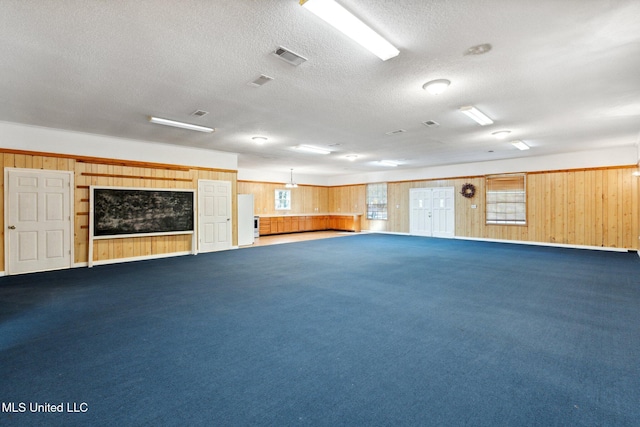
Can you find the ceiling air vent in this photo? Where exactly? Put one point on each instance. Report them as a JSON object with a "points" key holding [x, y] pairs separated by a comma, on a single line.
{"points": [[289, 57], [260, 81], [395, 132], [431, 124], [199, 113]]}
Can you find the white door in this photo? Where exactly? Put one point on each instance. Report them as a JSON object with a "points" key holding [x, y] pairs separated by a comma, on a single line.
{"points": [[442, 208], [420, 216], [432, 212], [214, 215], [38, 221]]}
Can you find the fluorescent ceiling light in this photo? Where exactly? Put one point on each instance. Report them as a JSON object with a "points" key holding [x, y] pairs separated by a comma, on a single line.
{"points": [[344, 21], [351, 157], [436, 87], [476, 115], [520, 145], [259, 139], [312, 149], [501, 134], [182, 125], [388, 163]]}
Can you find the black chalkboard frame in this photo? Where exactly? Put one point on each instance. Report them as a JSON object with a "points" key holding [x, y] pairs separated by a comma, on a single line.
{"points": [[121, 212]]}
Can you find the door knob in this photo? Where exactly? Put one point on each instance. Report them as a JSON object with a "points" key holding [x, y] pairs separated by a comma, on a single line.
{"points": [[12, 227]]}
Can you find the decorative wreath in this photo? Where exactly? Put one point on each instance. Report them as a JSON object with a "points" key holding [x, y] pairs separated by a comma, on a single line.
{"points": [[468, 191]]}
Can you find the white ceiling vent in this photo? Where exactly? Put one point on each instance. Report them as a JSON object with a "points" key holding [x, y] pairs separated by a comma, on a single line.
{"points": [[260, 81], [199, 113], [395, 132], [431, 123], [289, 57]]}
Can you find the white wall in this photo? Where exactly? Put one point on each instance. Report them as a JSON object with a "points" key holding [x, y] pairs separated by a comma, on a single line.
{"points": [[47, 140]]}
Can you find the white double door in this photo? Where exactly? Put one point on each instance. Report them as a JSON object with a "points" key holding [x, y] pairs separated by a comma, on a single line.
{"points": [[432, 212], [38, 220], [214, 215]]}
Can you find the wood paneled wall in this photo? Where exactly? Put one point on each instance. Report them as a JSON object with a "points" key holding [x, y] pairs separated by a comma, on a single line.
{"points": [[89, 171], [305, 199], [592, 207]]}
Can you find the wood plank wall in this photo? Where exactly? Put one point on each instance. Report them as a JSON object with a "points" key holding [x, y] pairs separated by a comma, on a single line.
{"points": [[92, 171], [305, 199], [593, 207]]}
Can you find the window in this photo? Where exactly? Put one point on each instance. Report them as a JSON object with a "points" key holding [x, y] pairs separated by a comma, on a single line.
{"points": [[377, 201], [506, 199], [283, 199]]}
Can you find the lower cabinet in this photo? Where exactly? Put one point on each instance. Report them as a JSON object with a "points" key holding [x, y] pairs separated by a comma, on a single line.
{"points": [[294, 224]]}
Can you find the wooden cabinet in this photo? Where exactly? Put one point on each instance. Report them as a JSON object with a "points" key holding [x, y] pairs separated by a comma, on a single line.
{"points": [[294, 223], [265, 226]]}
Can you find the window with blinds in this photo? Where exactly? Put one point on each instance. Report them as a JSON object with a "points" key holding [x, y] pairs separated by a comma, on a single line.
{"points": [[377, 201], [506, 199]]}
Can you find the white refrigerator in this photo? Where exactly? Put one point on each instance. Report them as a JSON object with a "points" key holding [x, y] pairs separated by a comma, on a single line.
{"points": [[245, 220]]}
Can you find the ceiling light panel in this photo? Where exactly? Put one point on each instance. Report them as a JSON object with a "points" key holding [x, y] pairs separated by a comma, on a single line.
{"points": [[167, 122], [520, 145], [312, 149], [341, 19], [477, 115], [390, 163]]}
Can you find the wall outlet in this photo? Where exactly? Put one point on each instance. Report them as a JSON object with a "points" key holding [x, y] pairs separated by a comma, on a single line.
{"points": [[474, 206]]}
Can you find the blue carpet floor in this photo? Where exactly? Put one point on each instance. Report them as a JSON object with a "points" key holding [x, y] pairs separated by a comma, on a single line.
{"points": [[365, 330]]}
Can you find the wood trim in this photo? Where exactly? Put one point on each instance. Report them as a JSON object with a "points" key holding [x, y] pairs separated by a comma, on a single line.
{"points": [[107, 175]]}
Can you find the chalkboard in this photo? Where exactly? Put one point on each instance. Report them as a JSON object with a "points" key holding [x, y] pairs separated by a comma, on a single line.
{"points": [[118, 211]]}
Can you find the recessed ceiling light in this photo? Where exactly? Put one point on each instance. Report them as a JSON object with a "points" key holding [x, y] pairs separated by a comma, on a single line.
{"points": [[312, 149], [182, 125], [520, 145], [436, 87], [351, 157], [478, 49], [501, 134], [259, 139], [342, 20], [475, 114]]}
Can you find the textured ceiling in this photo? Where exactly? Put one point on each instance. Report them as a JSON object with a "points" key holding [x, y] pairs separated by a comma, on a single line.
{"points": [[563, 75]]}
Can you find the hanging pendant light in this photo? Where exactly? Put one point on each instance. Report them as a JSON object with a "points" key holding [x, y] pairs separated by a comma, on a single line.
{"points": [[291, 184]]}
